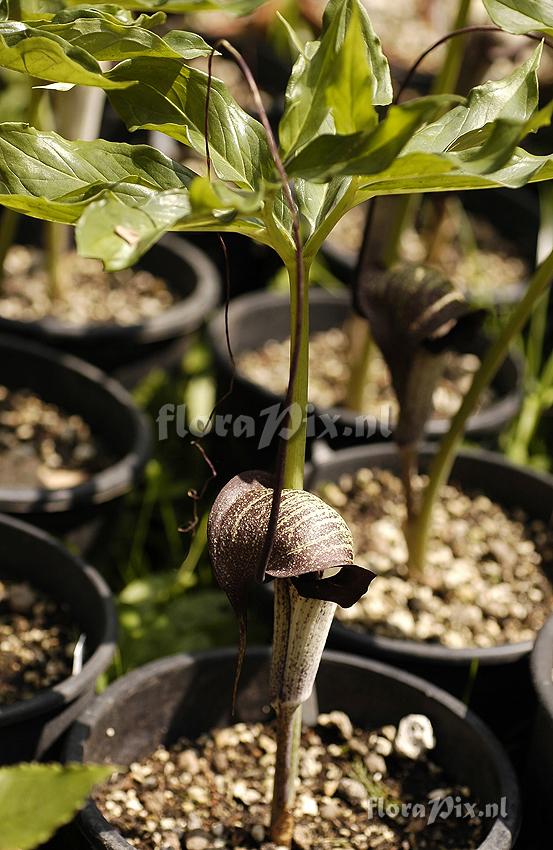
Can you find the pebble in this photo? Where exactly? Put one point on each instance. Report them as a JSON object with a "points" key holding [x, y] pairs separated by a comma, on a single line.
{"points": [[198, 841], [415, 736], [258, 833], [375, 763], [339, 721], [246, 795], [353, 791]]}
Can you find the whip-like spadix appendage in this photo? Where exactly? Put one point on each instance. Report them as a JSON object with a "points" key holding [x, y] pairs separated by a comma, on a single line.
{"points": [[311, 538]]}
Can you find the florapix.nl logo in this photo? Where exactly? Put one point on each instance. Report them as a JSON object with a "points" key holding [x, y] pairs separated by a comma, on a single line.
{"points": [[272, 422]]}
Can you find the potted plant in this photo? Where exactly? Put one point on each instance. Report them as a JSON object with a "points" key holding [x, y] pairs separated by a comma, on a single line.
{"points": [[165, 707], [58, 622], [55, 296]]}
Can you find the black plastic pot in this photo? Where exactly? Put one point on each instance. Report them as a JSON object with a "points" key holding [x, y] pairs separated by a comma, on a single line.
{"points": [[157, 341], [79, 388], [30, 729], [541, 753], [514, 213], [502, 693], [254, 319], [190, 694]]}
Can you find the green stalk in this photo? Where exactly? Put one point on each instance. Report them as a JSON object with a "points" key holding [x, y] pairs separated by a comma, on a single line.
{"points": [[295, 446], [289, 717], [57, 244], [528, 419], [447, 79], [8, 223], [406, 207], [8, 226], [443, 460], [363, 350]]}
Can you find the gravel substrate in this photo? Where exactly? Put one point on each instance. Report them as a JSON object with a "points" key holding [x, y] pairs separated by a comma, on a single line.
{"points": [[215, 792], [42, 446], [87, 294], [37, 641], [487, 577], [329, 374]]}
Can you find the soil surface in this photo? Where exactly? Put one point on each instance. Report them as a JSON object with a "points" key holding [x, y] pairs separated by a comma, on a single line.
{"points": [[470, 251], [215, 792], [488, 572], [37, 641], [87, 293], [42, 446], [329, 374]]}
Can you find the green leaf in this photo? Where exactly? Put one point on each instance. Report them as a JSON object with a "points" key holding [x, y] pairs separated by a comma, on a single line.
{"points": [[351, 81], [324, 80], [105, 37], [4, 10], [119, 230], [184, 7], [171, 97], [419, 172], [316, 202], [364, 153], [36, 799], [214, 197], [40, 8], [49, 57], [522, 16], [514, 98], [46, 176]]}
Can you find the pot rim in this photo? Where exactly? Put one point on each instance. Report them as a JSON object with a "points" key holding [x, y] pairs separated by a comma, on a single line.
{"points": [[414, 650], [501, 410], [502, 833], [102, 486], [541, 665], [70, 688], [185, 316]]}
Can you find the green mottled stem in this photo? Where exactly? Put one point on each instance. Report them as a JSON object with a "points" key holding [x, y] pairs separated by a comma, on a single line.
{"points": [[443, 460], [286, 770]]}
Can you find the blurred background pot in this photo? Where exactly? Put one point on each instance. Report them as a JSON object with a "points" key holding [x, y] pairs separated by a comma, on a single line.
{"points": [[190, 694], [31, 729], [78, 388], [255, 319], [500, 687], [132, 350], [540, 766]]}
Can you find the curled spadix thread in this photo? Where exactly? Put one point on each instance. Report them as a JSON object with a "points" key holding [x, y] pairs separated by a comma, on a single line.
{"points": [[311, 538]]}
